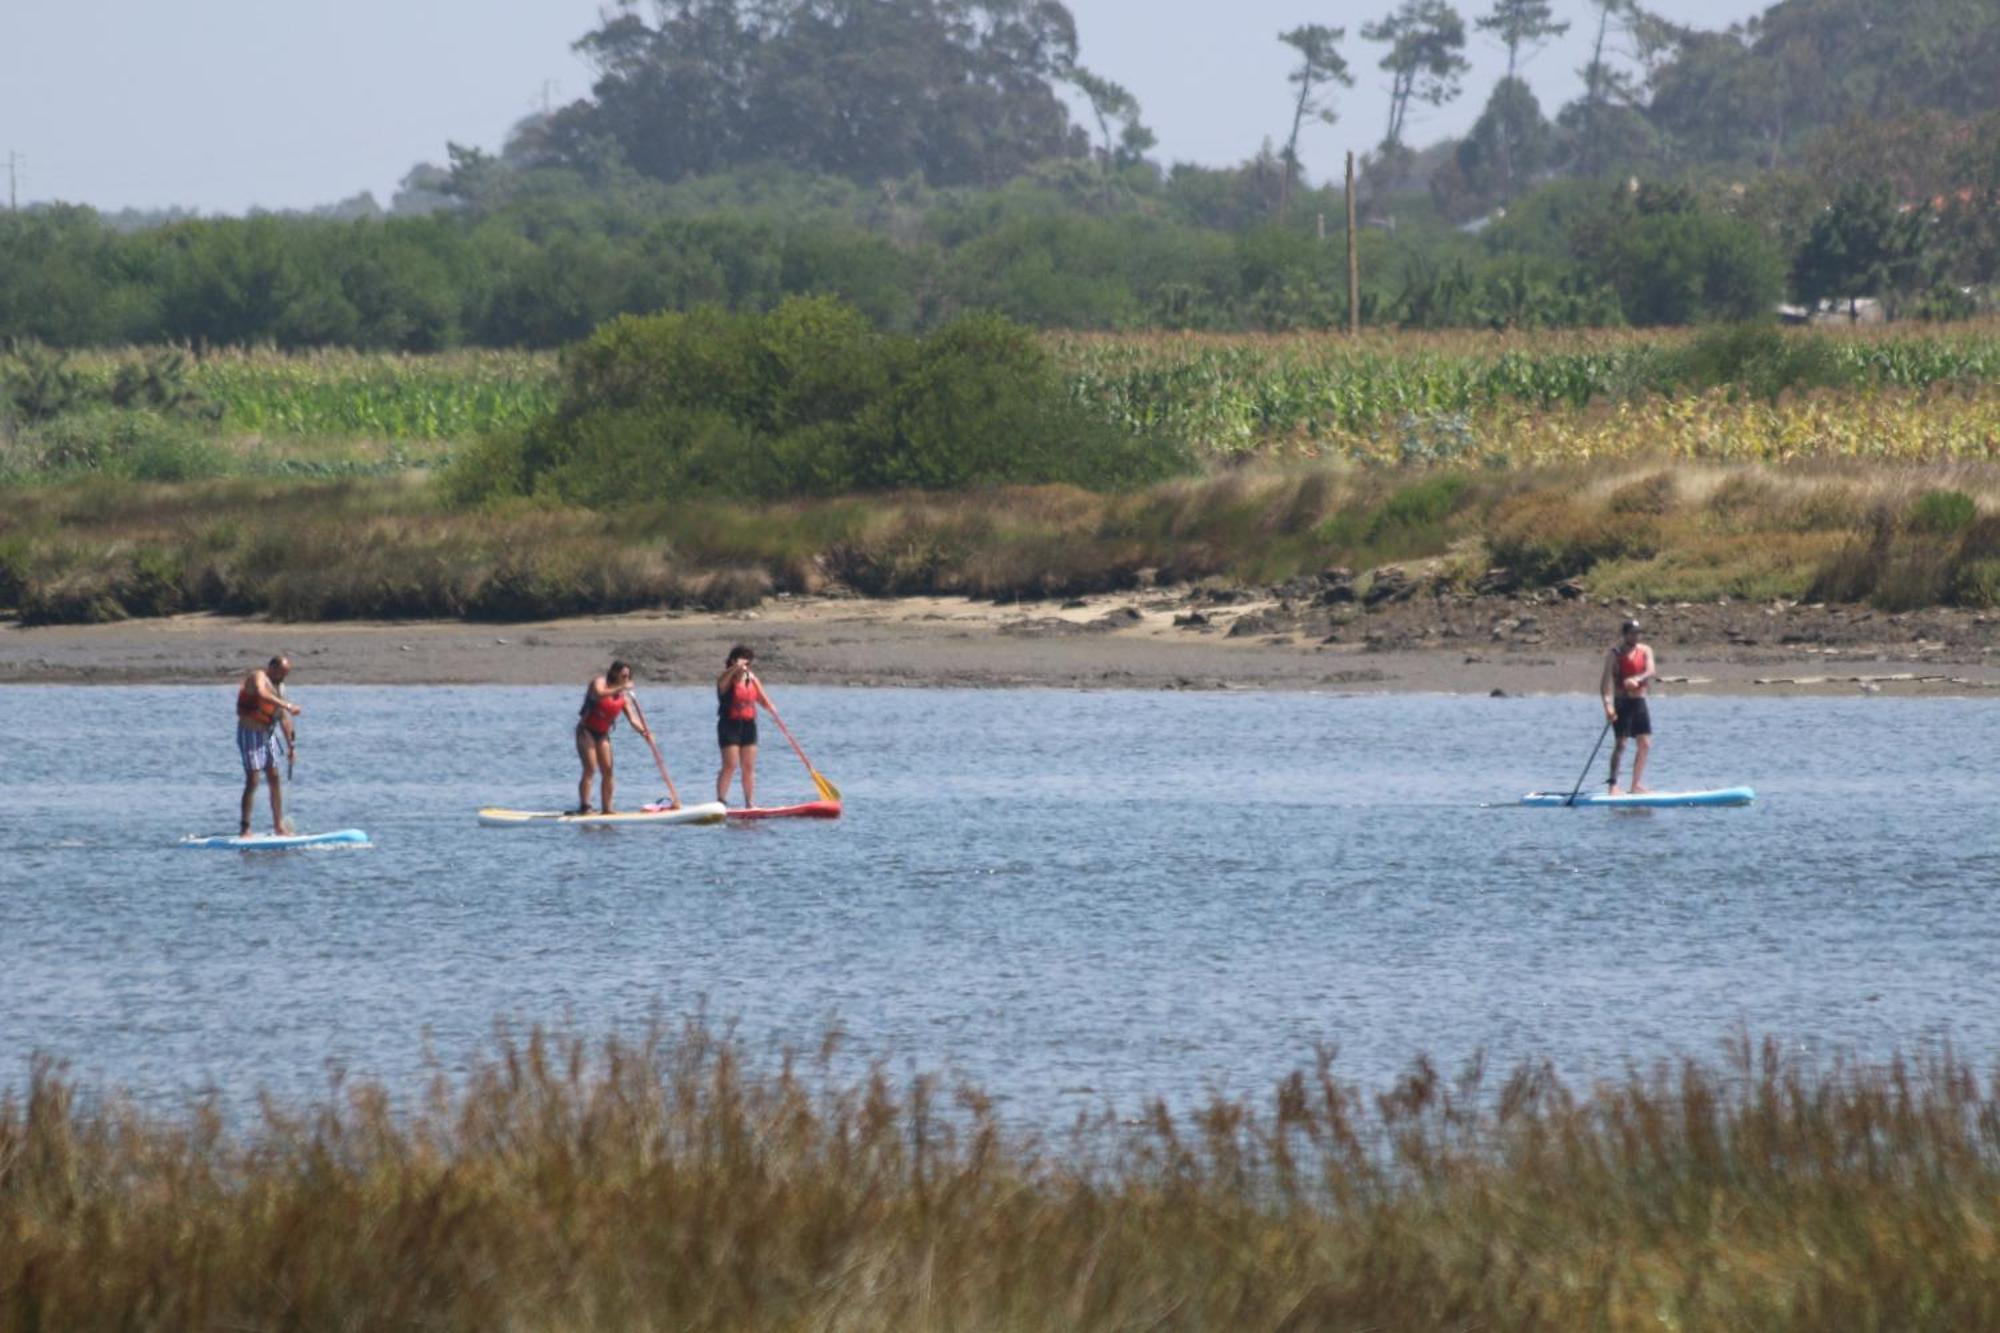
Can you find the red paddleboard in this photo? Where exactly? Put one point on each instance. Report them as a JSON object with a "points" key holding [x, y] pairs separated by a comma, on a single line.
{"points": [[810, 810]]}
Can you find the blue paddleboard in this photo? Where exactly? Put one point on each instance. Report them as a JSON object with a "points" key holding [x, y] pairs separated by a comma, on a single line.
{"points": [[1652, 800], [271, 842]]}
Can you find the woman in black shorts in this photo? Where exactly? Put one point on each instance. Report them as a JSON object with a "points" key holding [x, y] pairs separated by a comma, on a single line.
{"points": [[737, 695]]}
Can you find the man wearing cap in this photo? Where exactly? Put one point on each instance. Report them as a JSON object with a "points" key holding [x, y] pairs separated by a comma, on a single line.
{"points": [[1628, 668]]}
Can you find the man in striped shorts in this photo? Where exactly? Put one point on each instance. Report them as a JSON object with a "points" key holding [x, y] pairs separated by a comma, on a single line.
{"points": [[262, 713]]}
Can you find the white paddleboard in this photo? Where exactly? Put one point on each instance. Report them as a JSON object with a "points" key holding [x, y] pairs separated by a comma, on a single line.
{"points": [[711, 812], [272, 842]]}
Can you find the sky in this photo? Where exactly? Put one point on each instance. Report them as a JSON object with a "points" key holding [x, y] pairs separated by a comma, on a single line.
{"points": [[225, 105]]}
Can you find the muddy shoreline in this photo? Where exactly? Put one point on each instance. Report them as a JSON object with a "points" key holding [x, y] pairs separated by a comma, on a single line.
{"points": [[1293, 638]]}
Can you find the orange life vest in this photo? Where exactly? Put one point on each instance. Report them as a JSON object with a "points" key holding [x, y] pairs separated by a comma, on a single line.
{"points": [[252, 709]]}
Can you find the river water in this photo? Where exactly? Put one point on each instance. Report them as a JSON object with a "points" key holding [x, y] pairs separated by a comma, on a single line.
{"points": [[1073, 899]]}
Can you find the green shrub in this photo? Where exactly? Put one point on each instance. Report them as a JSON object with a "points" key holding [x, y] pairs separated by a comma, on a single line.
{"points": [[1942, 513], [14, 566], [1753, 360], [492, 467], [1546, 536], [806, 400], [139, 445], [1420, 505]]}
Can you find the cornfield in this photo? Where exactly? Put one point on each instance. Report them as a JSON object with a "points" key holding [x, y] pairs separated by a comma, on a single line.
{"points": [[1326, 394], [1902, 393], [386, 397]]}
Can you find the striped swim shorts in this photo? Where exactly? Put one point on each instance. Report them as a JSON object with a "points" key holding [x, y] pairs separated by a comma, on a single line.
{"points": [[260, 747]]}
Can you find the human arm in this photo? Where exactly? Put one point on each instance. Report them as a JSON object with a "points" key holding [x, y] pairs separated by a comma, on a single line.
{"points": [[268, 693], [1606, 682], [638, 715]]}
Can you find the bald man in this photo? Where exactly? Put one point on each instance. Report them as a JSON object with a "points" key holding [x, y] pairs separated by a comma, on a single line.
{"points": [[263, 715]]}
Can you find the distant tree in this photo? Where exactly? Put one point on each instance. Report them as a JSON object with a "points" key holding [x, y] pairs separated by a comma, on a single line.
{"points": [[1969, 216], [1864, 244], [1603, 84], [1320, 64], [1775, 89], [1424, 38], [1672, 261], [963, 91], [1108, 102], [1510, 141], [1518, 25]]}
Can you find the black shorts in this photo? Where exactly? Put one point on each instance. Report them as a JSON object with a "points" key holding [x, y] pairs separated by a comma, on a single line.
{"points": [[1632, 718], [729, 732]]}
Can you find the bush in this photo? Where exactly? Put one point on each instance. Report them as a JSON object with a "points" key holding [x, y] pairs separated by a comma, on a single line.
{"points": [[806, 400], [1546, 536], [138, 445], [1420, 505], [1752, 360], [14, 566], [1942, 513], [1654, 495]]}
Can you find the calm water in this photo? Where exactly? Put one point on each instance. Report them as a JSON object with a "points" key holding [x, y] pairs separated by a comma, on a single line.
{"points": [[1072, 898]]}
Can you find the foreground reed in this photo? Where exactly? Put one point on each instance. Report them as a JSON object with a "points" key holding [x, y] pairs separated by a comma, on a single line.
{"points": [[672, 1182]]}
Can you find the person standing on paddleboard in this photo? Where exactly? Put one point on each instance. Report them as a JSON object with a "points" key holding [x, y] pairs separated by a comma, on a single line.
{"points": [[604, 699], [1629, 668], [262, 716], [737, 695]]}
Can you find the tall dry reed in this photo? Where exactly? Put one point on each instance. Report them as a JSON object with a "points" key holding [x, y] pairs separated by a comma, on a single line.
{"points": [[678, 1182]]}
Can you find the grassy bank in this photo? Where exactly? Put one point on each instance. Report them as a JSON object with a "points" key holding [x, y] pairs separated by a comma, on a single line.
{"points": [[1901, 536], [1850, 466], [673, 1182]]}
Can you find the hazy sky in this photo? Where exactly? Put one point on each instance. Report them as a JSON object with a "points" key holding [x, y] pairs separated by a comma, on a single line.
{"points": [[224, 104]]}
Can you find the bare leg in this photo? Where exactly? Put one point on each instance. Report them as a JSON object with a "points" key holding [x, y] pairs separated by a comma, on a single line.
{"points": [[1617, 753], [1641, 747], [586, 751], [749, 776], [249, 802], [729, 755], [604, 766], [277, 800]]}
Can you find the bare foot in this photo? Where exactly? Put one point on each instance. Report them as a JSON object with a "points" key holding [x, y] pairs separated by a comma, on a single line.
{"points": [[1637, 790], [1613, 789]]}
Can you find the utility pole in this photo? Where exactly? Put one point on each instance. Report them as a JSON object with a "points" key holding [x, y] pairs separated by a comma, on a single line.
{"points": [[1353, 257]]}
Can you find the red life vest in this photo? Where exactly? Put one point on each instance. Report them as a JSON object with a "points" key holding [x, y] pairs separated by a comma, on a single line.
{"points": [[600, 714], [738, 703], [1631, 662]]}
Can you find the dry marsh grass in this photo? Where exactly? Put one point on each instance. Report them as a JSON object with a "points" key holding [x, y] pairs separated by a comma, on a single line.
{"points": [[675, 1181], [1898, 534]]}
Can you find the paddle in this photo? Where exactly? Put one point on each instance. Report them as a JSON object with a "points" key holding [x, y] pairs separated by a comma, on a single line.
{"points": [[660, 763], [1571, 800], [827, 791], [289, 730]]}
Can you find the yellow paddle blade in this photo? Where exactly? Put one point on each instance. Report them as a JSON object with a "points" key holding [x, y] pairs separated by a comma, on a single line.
{"points": [[827, 791]]}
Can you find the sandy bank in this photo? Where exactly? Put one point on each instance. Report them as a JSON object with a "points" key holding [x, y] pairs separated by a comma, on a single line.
{"points": [[1164, 639]]}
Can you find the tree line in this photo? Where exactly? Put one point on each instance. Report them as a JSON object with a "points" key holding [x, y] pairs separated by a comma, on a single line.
{"points": [[914, 158]]}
